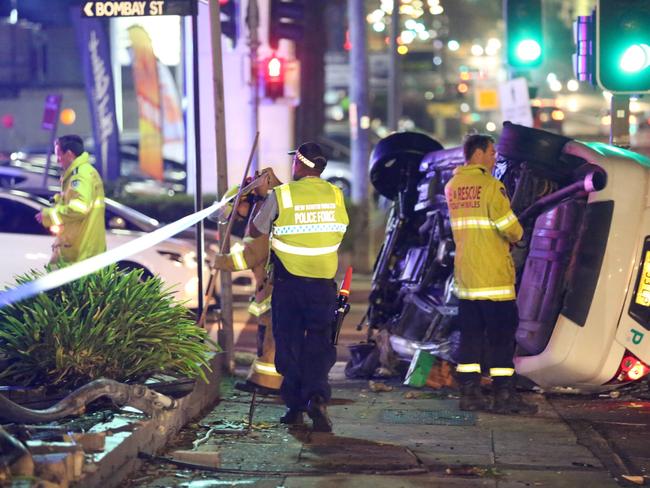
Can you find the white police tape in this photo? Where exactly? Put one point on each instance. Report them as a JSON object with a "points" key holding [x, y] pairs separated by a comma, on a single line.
{"points": [[95, 263]]}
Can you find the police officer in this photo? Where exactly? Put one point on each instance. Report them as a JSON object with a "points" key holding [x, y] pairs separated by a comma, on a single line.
{"points": [[253, 254], [306, 220], [77, 216], [484, 227]]}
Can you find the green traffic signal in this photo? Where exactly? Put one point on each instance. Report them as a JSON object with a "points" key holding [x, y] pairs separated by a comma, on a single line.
{"points": [[635, 58], [623, 45], [528, 50], [524, 35]]}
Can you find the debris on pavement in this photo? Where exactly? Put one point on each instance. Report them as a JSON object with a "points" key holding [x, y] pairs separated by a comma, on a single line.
{"points": [[378, 386], [637, 480]]}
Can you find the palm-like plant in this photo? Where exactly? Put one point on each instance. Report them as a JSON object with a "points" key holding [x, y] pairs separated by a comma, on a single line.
{"points": [[109, 324]]}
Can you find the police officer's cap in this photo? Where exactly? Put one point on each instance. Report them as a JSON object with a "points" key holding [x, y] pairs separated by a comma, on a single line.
{"points": [[310, 154]]}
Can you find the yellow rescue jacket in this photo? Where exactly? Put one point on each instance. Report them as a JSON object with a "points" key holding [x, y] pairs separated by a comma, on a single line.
{"points": [[483, 226], [78, 212]]}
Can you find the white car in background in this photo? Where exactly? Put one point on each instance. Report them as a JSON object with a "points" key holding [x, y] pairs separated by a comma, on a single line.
{"points": [[26, 245]]}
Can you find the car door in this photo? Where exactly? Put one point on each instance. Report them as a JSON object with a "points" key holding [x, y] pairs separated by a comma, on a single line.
{"points": [[25, 243]]}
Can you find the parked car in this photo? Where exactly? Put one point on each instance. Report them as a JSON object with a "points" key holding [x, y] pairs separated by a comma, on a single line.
{"points": [[583, 266], [27, 244]]}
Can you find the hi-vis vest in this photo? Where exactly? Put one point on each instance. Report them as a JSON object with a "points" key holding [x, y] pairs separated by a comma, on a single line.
{"points": [[483, 226], [78, 212], [310, 226]]}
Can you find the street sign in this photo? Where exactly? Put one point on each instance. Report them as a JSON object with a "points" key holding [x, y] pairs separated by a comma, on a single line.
{"points": [[137, 8], [51, 112], [515, 102]]}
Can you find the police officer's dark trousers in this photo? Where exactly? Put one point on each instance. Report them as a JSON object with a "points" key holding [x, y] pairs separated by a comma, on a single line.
{"points": [[491, 321], [303, 315]]}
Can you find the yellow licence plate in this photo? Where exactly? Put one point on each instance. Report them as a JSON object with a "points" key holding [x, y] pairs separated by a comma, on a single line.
{"points": [[643, 290]]}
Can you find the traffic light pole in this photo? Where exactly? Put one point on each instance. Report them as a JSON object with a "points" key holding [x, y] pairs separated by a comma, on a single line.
{"points": [[619, 133], [253, 22], [394, 71]]}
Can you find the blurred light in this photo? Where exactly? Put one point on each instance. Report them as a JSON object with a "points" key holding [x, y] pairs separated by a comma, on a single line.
{"points": [[436, 10], [407, 37], [633, 120], [477, 50], [429, 95], [13, 16], [475, 117], [607, 95], [555, 86], [462, 88], [337, 113], [491, 126], [55, 229], [557, 115], [573, 85], [465, 76], [536, 102], [551, 77], [68, 116], [438, 44], [573, 105], [375, 16], [491, 50], [494, 43], [379, 27], [410, 24], [453, 45], [364, 122], [387, 6], [424, 35], [437, 60], [464, 107], [635, 106], [606, 120], [402, 50], [543, 117], [8, 121]]}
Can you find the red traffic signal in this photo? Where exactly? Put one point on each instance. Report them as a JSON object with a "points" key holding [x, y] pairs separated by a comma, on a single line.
{"points": [[274, 78]]}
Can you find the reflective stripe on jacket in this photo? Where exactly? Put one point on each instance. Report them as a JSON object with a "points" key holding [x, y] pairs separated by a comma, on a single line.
{"points": [[78, 212], [309, 228], [483, 226]]}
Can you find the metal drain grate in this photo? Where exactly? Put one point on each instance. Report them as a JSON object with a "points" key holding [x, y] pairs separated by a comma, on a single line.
{"points": [[428, 417]]}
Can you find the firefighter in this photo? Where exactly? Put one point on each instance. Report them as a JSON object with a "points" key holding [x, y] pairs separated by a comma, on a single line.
{"points": [[77, 217], [306, 220], [484, 227], [253, 254]]}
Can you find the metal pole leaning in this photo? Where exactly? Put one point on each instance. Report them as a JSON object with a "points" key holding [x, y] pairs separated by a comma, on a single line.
{"points": [[226, 236]]}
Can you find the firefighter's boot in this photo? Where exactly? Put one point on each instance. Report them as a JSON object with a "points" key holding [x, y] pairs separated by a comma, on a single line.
{"points": [[471, 397], [508, 401], [317, 411]]}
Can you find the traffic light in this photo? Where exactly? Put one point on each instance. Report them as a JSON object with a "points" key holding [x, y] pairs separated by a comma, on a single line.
{"points": [[524, 35], [287, 21], [229, 10], [274, 78], [623, 45]]}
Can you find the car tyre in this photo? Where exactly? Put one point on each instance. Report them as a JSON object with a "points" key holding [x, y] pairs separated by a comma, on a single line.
{"points": [[397, 156], [539, 147], [128, 266]]}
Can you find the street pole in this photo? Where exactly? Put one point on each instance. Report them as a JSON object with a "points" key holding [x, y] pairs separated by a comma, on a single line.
{"points": [[253, 22], [198, 194], [619, 129], [359, 128], [394, 103], [226, 338]]}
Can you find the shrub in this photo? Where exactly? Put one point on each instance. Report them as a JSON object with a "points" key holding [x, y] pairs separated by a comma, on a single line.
{"points": [[109, 324]]}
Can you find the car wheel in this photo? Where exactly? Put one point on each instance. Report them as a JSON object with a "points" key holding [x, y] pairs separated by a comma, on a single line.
{"points": [[396, 157], [128, 266], [520, 143]]}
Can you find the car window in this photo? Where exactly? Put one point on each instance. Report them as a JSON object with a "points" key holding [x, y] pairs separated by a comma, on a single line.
{"points": [[114, 221], [18, 218]]}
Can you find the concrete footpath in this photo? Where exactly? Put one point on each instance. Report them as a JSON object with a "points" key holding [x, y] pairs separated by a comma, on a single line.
{"points": [[399, 438]]}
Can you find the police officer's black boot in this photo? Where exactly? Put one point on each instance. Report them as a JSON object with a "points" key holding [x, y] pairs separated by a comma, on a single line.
{"points": [[508, 401], [317, 411], [292, 416], [471, 396]]}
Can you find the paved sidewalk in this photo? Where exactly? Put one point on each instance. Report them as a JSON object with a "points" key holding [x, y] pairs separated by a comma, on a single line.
{"points": [[386, 439]]}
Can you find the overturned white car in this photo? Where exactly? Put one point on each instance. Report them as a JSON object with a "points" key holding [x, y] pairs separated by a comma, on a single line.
{"points": [[583, 266]]}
